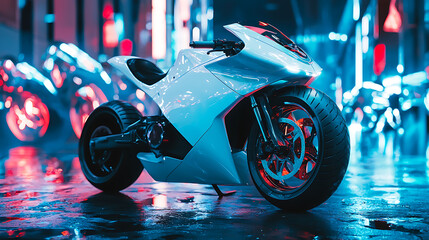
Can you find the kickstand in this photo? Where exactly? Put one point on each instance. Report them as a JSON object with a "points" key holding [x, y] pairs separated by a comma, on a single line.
{"points": [[220, 193]]}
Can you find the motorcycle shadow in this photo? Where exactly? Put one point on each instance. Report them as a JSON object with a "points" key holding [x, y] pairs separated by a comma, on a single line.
{"points": [[110, 213], [303, 225]]}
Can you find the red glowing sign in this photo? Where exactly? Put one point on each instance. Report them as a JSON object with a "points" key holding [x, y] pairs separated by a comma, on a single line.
{"points": [[126, 47], [393, 21], [108, 11], [379, 59], [263, 24], [110, 36]]}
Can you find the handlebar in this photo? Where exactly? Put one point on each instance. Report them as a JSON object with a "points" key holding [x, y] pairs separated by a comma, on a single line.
{"points": [[202, 44], [228, 47]]}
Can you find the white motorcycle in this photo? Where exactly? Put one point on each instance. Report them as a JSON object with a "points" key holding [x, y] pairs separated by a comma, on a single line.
{"points": [[226, 113]]}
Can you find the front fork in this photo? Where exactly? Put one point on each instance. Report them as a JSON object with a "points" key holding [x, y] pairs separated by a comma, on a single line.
{"points": [[273, 143]]}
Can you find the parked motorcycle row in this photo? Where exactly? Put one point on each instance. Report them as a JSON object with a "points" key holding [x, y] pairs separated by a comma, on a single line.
{"points": [[373, 107], [379, 109], [37, 103]]}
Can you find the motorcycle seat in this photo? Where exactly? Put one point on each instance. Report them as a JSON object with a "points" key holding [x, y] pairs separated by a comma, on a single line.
{"points": [[145, 71]]}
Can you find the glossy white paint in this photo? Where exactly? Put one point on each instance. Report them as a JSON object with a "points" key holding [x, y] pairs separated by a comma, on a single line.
{"points": [[186, 61], [190, 97], [240, 161], [192, 101], [159, 171], [120, 63], [197, 93], [210, 160]]}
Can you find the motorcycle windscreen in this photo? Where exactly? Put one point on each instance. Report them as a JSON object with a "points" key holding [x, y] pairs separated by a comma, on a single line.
{"points": [[279, 38]]}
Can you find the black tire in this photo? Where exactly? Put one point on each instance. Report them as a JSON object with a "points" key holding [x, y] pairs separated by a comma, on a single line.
{"points": [[332, 155], [123, 166]]}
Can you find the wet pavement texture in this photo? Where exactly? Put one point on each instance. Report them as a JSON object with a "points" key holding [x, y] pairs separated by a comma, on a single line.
{"points": [[45, 195]]}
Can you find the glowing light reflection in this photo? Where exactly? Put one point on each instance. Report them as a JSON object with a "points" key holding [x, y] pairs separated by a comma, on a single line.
{"points": [[160, 201], [356, 10], [140, 94], [8, 64], [105, 77], [87, 98]]}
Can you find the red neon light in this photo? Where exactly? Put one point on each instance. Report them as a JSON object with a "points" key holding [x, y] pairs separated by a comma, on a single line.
{"points": [[56, 76], [108, 11], [263, 24], [3, 75], [23, 162], [256, 29], [8, 102], [54, 175], [379, 59], [110, 36], [393, 21], [8, 89], [126, 47]]}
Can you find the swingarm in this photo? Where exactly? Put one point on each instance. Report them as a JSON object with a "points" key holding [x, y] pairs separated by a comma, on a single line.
{"points": [[145, 135]]}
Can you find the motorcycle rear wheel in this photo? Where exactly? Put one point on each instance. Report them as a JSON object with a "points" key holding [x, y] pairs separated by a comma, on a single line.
{"points": [[318, 155], [109, 170]]}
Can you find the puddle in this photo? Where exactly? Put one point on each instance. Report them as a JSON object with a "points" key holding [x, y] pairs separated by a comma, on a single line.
{"points": [[186, 199], [8, 219], [379, 224], [385, 225], [12, 193]]}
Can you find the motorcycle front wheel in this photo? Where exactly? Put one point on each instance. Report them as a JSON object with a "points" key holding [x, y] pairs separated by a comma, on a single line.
{"points": [[318, 143]]}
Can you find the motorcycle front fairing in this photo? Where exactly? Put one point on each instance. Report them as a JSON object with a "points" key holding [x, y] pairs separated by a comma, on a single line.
{"points": [[262, 62], [199, 91]]}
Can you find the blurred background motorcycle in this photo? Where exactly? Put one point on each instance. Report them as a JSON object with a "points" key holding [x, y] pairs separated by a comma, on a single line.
{"points": [[28, 103], [69, 87], [81, 82]]}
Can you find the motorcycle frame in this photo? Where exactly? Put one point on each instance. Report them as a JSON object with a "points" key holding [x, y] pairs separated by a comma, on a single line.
{"points": [[201, 90]]}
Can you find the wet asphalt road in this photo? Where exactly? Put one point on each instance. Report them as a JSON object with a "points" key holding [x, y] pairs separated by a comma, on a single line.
{"points": [[44, 195]]}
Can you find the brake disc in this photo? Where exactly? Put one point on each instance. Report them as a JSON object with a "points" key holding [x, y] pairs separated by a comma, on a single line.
{"points": [[284, 168]]}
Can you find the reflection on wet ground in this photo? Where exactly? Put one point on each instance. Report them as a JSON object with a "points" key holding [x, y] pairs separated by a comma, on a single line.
{"points": [[45, 195]]}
